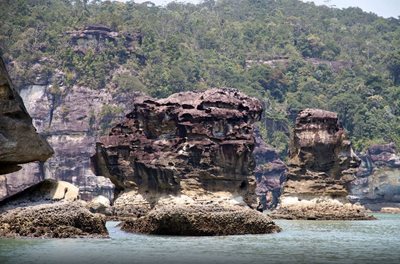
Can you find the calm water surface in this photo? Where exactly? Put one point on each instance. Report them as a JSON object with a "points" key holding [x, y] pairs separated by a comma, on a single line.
{"points": [[299, 242]]}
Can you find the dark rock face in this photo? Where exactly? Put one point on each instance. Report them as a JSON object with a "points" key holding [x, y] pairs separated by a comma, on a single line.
{"points": [[270, 173], [183, 221], [188, 142], [321, 165], [58, 220], [184, 165], [19, 142], [377, 184]]}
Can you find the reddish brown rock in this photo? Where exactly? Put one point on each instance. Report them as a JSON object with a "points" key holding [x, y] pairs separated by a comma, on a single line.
{"points": [[187, 142], [190, 150], [321, 166]]}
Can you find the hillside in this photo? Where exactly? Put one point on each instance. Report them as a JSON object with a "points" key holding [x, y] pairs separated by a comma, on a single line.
{"points": [[290, 54]]}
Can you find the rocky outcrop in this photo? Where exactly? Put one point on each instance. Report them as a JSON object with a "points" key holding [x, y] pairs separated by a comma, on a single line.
{"points": [[203, 221], [99, 36], [49, 209], [270, 173], [190, 149], [56, 220], [377, 184], [321, 166], [19, 142]]}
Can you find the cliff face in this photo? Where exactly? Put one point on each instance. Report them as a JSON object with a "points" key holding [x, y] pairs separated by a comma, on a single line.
{"points": [[72, 118], [19, 142], [377, 182], [321, 165]]}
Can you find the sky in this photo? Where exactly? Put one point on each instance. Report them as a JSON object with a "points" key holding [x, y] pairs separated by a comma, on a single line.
{"points": [[385, 8]]}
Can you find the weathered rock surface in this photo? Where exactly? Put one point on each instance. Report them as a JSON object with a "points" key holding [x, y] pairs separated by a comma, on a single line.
{"points": [[190, 150], [19, 142], [202, 221], [56, 220], [49, 209], [99, 36], [321, 166], [72, 118], [377, 184], [270, 173], [189, 143]]}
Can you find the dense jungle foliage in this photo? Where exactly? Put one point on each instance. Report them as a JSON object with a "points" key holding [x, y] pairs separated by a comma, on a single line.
{"points": [[288, 53]]}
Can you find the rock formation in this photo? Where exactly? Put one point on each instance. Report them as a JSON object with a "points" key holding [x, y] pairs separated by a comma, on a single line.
{"points": [[191, 149], [377, 184], [321, 166], [55, 220], [49, 209], [270, 173], [201, 221], [19, 142]]}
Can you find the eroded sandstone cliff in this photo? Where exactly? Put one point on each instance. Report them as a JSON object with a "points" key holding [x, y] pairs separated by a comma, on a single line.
{"points": [[19, 142], [321, 166], [190, 151], [377, 184]]}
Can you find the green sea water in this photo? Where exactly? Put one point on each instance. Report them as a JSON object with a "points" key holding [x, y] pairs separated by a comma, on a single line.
{"points": [[376, 241]]}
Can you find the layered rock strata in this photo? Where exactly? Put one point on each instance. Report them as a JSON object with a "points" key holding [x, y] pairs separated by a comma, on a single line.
{"points": [[377, 184], [321, 166], [189, 149]]}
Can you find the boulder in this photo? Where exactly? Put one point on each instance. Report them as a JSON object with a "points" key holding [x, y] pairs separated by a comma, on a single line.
{"points": [[321, 166], [99, 204]]}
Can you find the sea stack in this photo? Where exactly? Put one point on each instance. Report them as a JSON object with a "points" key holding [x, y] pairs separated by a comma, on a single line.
{"points": [[321, 166], [186, 159]]}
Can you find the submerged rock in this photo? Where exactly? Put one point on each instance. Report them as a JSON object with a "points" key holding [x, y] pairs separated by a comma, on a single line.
{"points": [[202, 221], [321, 166], [57, 220]]}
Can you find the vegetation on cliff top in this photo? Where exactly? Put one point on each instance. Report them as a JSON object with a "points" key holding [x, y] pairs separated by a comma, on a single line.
{"points": [[290, 54]]}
